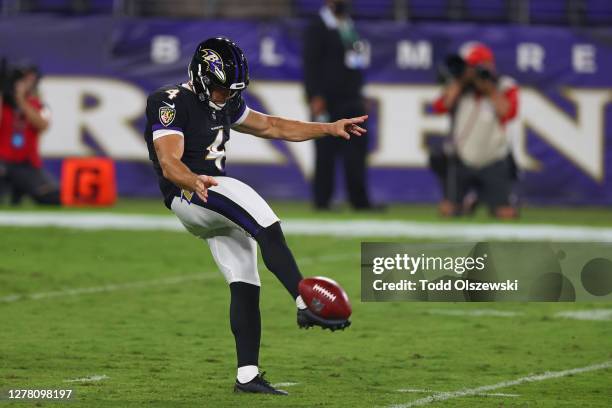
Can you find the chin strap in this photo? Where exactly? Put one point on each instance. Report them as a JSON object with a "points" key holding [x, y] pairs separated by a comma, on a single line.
{"points": [[216, 106], [205, 97]]}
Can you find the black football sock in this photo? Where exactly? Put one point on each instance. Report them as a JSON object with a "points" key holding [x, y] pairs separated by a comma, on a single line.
{"points": [[245, 322], [278, 257]]}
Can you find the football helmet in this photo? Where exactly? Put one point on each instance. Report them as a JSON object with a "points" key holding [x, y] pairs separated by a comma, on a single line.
{"points": [[218, 62]]}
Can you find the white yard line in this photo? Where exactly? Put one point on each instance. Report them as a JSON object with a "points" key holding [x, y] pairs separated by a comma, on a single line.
{"points": [[106, 288], [285, 384], [92, 378], [336, 228], [420, 391], [113, 287], [475, 313], [443, 396], [594, 314], [500, 394]]}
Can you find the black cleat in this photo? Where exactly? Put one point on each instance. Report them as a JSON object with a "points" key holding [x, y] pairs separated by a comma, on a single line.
{"points": [[258, 385], [307, 319]]}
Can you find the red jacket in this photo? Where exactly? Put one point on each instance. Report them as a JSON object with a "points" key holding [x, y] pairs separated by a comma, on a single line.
{"points": [[19, 139]]}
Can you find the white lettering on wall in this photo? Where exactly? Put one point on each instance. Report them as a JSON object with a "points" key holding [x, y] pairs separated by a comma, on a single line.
{"points": [[530, 57], [117, 103], [412, 55]]}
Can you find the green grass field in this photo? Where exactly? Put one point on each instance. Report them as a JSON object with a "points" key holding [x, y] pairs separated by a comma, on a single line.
{"points": [[150, 313]]}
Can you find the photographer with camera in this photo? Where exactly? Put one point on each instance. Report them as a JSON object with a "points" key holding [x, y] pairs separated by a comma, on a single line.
{"points": [[477, 158], [23, 117]]}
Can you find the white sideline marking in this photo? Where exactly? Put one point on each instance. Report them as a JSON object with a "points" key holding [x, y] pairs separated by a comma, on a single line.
{"points": [[91, 221], [106, 288], [284, 384], [93, 378], [337, 228], [443, 396], [595, 314], [495, 394], [478, 312], [464, 231]]}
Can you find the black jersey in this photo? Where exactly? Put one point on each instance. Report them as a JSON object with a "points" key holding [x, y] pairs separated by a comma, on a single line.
{"points": [[177, 110]]}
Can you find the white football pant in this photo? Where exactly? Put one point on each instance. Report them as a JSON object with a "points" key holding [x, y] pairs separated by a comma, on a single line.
{"points": [[233, 215]]}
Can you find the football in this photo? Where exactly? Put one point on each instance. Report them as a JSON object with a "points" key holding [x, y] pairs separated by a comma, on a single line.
{"points": [[325, 297]]}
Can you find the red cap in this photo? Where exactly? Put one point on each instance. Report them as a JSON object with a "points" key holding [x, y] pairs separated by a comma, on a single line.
{"points": [[477, 53]]}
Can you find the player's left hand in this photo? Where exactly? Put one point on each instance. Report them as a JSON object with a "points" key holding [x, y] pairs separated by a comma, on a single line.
{"points": [[345, 128]]}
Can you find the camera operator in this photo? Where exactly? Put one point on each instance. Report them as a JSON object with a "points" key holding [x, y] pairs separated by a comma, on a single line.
{"points": [[23, 117], [477, 158]]}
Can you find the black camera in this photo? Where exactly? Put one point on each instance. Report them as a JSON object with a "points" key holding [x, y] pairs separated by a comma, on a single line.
{"points": [[9, 75], [454, 67], [485, 73]]}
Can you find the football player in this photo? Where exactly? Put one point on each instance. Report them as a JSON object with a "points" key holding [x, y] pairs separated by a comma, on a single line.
{"points": [[187, 128]]}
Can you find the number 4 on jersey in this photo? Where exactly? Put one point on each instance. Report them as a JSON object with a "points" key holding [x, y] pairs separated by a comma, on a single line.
{"points": [[213, 152]]}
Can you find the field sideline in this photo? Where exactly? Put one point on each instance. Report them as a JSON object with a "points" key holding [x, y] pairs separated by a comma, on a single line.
{"points": [[139, 318]]}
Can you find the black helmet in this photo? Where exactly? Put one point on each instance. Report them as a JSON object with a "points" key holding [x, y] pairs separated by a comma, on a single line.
{"points": [[218, 62]]}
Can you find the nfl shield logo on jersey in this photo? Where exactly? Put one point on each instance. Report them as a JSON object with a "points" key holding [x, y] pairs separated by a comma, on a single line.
{"points": [[166, 115]]}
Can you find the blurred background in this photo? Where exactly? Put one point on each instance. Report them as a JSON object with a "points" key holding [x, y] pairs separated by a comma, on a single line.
{"points": [[100, 58], [120, 303]]}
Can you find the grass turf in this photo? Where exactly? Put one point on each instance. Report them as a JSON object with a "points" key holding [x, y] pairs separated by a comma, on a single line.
{"points": [[171, 345]]}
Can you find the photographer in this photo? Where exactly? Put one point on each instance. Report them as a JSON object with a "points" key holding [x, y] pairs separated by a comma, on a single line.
{"points": [[477, 158], [23, 118]]}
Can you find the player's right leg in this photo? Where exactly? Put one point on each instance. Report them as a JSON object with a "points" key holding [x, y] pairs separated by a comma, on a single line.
{"points": [[251, 212], [240, 206]]}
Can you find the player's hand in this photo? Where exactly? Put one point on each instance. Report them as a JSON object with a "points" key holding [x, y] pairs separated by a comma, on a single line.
{"points": [[345, 128], [202, 184]]}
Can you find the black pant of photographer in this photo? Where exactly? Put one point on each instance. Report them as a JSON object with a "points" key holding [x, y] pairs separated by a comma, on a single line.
{"points": [[21, 179]]}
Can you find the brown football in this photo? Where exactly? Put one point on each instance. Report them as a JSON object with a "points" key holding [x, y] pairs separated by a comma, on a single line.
{"points": [[325, 297]]}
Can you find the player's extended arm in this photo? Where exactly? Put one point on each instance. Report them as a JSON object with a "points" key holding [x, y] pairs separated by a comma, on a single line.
{"points": [[275, 127], [169, 151]]}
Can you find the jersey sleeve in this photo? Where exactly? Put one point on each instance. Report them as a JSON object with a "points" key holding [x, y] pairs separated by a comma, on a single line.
{"points": [[239, 111], [166, 113]]}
